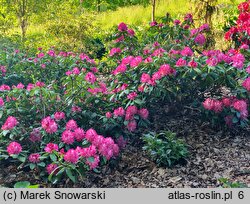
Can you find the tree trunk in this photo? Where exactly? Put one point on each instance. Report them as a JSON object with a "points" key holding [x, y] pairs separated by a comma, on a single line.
{"points": [[153, 9], [98, 6]]}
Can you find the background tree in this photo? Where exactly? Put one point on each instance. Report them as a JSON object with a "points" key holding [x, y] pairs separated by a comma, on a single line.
{"points": [[153, 9], [21, 10]]}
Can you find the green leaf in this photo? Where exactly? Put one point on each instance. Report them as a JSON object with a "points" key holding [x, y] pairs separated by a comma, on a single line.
{"points": [[53, 157], [5, 132], [21, 158], [22, 184], [70, 175], [42, 164], [91, 159], [34, 186], [32, 166]]}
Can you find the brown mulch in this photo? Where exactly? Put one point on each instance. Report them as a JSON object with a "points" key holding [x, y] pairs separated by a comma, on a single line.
{"points": [[214, 153]]}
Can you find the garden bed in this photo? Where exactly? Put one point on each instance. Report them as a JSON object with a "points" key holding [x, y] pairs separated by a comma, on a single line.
{"points": [[213, 154]]}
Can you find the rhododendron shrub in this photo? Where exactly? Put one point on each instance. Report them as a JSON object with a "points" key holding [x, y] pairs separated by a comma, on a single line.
{"points": [[65, 114], [241, 31]]}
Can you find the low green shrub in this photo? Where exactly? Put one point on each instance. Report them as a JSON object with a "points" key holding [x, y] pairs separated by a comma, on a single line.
{"points": [[164, 148]]}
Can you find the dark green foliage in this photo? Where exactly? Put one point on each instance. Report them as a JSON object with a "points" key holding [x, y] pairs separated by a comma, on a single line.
{"points": [[164, 148]]}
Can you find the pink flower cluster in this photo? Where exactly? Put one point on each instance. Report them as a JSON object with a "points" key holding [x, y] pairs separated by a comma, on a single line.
{"points": [[90, 77], [115, 51], [34, 158], [246, 84], [3, 70], [49, 125], [1, 102], [99, 145], [122, 27], [50, 147], [10, 123], [35, 135], [129, 114], [59, 115], [218, 105], [14, 148]]}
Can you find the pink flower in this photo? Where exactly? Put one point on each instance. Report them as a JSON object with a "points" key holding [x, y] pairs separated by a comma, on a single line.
{"points": [[35, 135], [114, 51], [40, 84], [1, 102], [240, 105], [108, 115], [200, 39], [108, 148], [4, 87], [156, 76], [238, 61], [51, 167], [68, 73], [51, 147], [204, 27], [90, 134], [120, 69], [136, 61], [148, 60], [71, 125], [95, 163], [49, 125], [177, 22], [43, 66], [34, 158], [208, 104], [217, 106], [246, 84], [14, 148], [98, 140], [153, 23], [122, 27], [51, 53], [165, 69], [132, 126], [127, 60], [40, 55], [87, 152], [120, 39], [79, 134], [10, 123], [94, 69], [76, 109], [90, 77], [145, 78], [212, 62], [71, 156], [119, 112], [130, 112], [59, 115], [181, 62], [192, 64], [143, 113], [187, 52], [188, 17], [226, 102], [131, 32], [132, 96], [20, 86], [68, 137], [76, 71]]}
